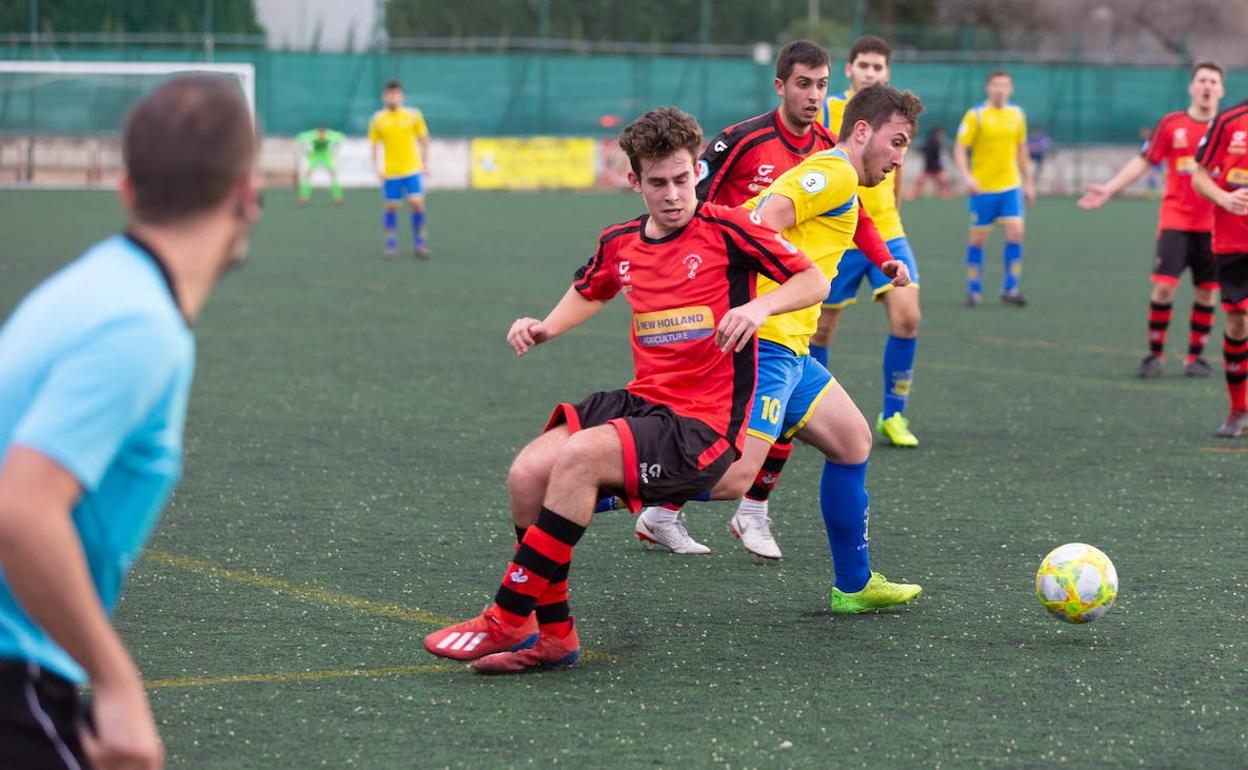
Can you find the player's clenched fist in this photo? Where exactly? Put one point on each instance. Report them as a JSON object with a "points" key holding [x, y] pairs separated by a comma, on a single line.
{"points": [[739, 325], [897, 270], [524, 334]]}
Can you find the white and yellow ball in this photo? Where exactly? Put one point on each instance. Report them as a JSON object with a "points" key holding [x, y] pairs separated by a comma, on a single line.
{"points": [[1077, 583]]}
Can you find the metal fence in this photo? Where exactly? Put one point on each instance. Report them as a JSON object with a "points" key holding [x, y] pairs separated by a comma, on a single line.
{"points": [[560, 93]]}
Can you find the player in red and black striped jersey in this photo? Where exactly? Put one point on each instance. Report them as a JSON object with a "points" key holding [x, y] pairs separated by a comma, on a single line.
{"points": [[1222, 176], [1184, 224], [689, 270]]}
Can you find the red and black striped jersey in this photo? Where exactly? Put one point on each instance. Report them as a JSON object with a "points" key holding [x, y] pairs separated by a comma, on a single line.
{"points": [[1174, 142], [1224, 154], [679, 287], [747, 157]]}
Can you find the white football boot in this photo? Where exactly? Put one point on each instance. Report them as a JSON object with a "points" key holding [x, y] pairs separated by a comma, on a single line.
{"points": [[752, 524], [665, 529]]}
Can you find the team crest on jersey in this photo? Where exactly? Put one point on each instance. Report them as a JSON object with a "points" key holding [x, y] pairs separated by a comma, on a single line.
{"points": [[814, 181], [1239, 143], [692, 263], [704, 170]]}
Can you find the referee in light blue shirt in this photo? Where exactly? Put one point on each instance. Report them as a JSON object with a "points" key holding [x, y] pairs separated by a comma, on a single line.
{"points": [[95, 370]]}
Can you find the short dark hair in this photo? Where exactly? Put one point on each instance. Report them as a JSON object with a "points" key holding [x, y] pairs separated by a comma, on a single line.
{"points": [[658, 134], [799, 52], [870, 44], [1207, 65], [186, 145], [393, 85], [877, 104], [997, 74]]}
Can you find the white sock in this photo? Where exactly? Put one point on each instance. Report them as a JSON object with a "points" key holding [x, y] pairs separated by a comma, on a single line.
{"points": [[658, 515], [748, 507]]}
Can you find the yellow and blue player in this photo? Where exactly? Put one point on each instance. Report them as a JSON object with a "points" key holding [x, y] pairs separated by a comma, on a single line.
{"points": [[868, 63], [991, 153], [814, 205], [402, 136]]}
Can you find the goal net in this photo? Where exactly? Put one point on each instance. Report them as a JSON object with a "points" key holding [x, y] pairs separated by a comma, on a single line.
{"points": [[60, 121]]}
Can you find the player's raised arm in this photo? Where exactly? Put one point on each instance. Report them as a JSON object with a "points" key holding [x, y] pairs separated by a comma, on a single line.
{"points": [[1098, 194], [572, 310]]}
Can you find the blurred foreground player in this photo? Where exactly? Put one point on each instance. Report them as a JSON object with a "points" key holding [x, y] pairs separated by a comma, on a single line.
{"points": [[688, 270], [95, 371]]}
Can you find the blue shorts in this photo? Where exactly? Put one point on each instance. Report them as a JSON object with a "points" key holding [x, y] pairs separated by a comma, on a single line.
{"points": [[399, 187], [788, 390], [988, 208], [855, 266]]}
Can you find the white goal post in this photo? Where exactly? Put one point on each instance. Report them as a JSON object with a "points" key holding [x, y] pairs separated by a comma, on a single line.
{"points": [[60, 121]]}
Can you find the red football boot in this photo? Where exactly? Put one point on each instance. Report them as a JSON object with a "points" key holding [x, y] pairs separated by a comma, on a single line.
{"points": [[483, 635], [549, 652]]}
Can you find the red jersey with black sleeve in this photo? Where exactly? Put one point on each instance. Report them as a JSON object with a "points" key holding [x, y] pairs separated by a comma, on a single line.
{"points": [[747, 157], [679, 287], [1174, 141], [1224, 154]]}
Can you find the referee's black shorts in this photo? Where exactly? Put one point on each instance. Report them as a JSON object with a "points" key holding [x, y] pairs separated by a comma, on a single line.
{"points": [[40, 715]]}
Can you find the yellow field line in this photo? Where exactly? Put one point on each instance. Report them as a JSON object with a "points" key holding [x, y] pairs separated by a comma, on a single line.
{"points": [[315, 676], [1224, 449], [311, 593]]}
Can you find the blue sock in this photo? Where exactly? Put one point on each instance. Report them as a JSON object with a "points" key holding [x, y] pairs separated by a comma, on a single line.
{"points": [[1013, 265], [975, 269], [843, 498], [418, 227], [820, 354], [390, 225], [898, 372]]}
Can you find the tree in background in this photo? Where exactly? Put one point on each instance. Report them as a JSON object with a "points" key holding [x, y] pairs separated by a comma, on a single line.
{"points": [[228, 17]]}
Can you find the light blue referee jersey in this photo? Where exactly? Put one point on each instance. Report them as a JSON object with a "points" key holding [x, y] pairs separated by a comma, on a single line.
{"points": [[95, 370]]}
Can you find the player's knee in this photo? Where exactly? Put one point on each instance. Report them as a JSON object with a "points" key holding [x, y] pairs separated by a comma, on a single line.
{"points": [[905, 324], [527, 469], [853, 445], [417, 204], [1163, 293], [979, 236], [1206, 296], [1237, 325]]}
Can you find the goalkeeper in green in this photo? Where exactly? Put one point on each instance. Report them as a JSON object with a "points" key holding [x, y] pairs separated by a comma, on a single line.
{"points": [[321, 145]]}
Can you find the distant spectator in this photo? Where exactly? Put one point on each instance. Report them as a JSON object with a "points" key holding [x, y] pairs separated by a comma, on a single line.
{"points": [[1039, 145], [933, 150]]}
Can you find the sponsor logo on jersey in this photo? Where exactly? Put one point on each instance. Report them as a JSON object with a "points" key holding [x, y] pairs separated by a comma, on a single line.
{"points": [[1180, 138], [669, 327], [1185, 164], [1237, 177]]}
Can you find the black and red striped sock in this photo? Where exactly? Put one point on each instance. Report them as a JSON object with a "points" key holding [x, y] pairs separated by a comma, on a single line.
{"points": [[1235, 352], [553, 614], [769, 475], [1202, 324], [1158, 324], [545, 548]]}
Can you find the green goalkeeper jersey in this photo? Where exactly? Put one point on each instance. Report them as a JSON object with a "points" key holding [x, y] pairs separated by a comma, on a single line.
{"points": [[319, 148]]}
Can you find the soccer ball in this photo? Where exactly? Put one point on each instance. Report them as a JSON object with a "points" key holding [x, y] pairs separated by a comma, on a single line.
{"points": [[1077, 583]]}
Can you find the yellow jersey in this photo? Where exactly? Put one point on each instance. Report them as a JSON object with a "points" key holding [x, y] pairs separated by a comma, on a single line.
{"points": [[824, 192], [993, 135], [397, 131], [879, 201]]}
